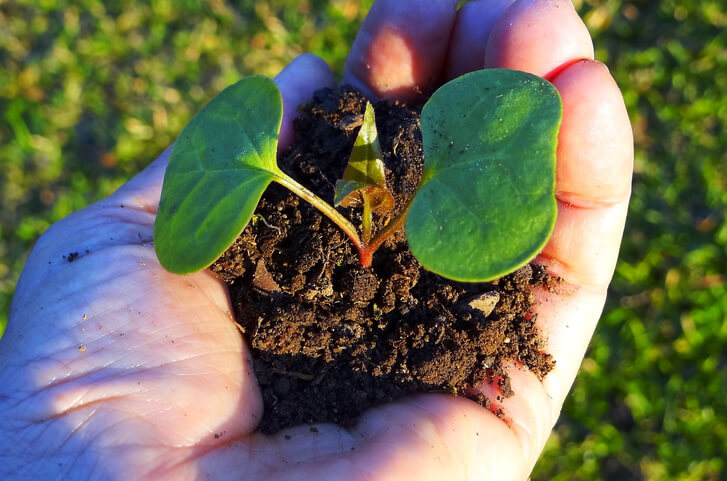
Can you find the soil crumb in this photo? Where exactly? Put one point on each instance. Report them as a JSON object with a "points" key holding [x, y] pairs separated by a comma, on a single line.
{"points": [[330, 338]]}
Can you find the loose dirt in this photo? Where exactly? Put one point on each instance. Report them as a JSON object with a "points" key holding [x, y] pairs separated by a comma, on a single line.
{"points": [[330, 338]]}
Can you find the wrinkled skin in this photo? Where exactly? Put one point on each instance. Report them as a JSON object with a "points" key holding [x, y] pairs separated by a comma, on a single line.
{"points": [[113, 368]]}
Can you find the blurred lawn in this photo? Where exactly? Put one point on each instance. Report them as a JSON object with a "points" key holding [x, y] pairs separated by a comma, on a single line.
{"points": [[91, 91]]}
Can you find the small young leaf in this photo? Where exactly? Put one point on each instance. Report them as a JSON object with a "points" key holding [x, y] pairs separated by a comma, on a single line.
{"points": [[364, 178], [218, 169], [486, 204]]}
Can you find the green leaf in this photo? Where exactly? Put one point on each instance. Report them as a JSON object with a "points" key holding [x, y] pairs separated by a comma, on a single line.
{"points": [[220, 165], [364, 179], [486, 205]]}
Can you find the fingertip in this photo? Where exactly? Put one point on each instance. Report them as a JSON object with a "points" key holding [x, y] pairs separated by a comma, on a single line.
{"points": [[472, 28], [297, 82], [401, 48], [595, 144], [538, 36]]}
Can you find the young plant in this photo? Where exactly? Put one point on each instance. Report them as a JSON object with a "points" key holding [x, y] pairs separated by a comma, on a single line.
{"points": [[364, 180], [485, 205]]}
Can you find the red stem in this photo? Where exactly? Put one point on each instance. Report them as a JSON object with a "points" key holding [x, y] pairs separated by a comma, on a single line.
{"points": [[366, 250], [365, 255]]}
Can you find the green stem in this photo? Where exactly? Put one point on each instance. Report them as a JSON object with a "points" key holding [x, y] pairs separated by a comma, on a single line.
{"points": [[366, 220], [325, 209], [388, 230], [364, 248]]}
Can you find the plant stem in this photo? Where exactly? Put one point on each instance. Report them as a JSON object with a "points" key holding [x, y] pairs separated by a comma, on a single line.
{"points": [[325, 209], [389, 229], [364, 248], [366, 220], [366, 254]]}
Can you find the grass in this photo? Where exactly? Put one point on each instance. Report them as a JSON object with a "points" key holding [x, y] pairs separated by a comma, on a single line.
{"points": [[91, 91]]}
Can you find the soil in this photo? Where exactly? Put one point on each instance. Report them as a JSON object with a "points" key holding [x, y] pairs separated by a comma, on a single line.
{"points": [[330, 338]]}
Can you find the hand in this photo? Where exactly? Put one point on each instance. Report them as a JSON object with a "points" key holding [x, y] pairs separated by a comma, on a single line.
{"points": [[113, 368]]}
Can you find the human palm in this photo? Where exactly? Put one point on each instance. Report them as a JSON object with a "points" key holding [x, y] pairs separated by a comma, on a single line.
{"points": [[113, 368]]}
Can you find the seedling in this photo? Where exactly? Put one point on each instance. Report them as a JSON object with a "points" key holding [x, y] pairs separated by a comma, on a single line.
{"points": [[364, 180], [485, 205]]}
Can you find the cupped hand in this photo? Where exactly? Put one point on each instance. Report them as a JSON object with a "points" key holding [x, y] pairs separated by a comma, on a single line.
{"points": [[113, 368]]}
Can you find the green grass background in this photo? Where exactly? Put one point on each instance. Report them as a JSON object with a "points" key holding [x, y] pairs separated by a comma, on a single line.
{"points": [[92, 91]]}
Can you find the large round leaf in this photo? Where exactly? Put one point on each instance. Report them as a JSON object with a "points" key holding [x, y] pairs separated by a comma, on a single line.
{"points": [[219, 167], [486, 204]]}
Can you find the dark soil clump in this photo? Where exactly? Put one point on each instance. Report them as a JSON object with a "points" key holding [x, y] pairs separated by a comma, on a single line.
{"points": [[330, 338]]}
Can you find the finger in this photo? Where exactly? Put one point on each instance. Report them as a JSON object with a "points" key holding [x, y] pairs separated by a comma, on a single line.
{"points": [[528, 413], [472, 28], [595, 151], [567, 318], [595, 145], [593, 182], [297, 83], [595, 157], [401, 48], [539, 37], [594, 163], [584, 245], [426, 437]]}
